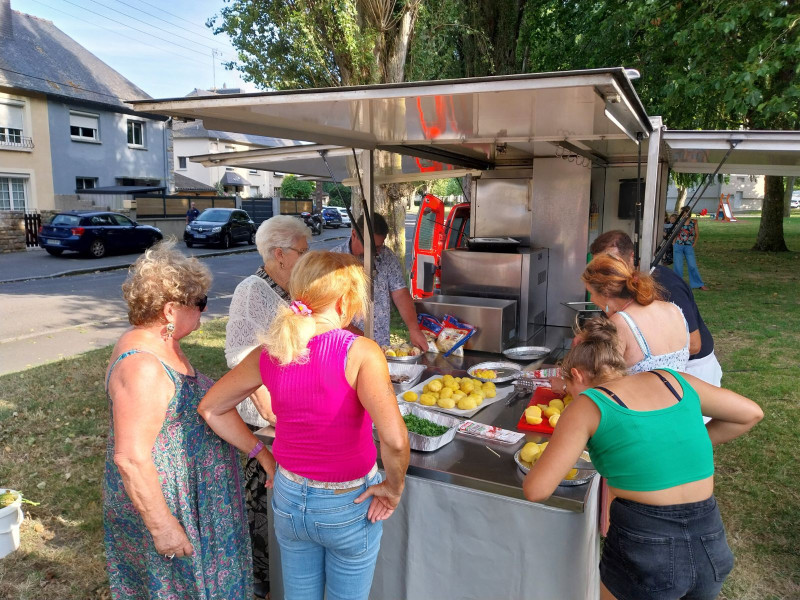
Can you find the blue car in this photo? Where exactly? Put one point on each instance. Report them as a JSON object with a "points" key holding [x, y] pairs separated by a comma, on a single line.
{"points": [[96, 234], [332, 217]]}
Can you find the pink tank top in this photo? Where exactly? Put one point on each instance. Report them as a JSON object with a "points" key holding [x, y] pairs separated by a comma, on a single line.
{"points": [[323, 431]]}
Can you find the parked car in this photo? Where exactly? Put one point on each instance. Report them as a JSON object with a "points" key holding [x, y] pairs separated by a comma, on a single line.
{"points": [[96, 234], [345, 217], [795, 201], [332, 217], [221, 226]]}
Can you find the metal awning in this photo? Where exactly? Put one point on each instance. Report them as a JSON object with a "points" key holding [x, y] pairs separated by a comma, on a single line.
{"points": [[307, 162], [477, 123], [233, 179], [755, 152]]}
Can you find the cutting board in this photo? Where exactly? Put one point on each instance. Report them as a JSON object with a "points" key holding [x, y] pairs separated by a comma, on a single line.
{"points": [[542, 395]]}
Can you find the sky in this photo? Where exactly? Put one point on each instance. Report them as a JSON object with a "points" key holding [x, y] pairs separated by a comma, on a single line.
{"points": [[164, 47]]}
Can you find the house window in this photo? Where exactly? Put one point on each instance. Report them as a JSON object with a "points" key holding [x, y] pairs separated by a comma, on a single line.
{"points": [[181, 162], [11, 123], [85, 183], [12, 193], [84, 127], [229, 168], [229, 148], [253, 191], [135, 133], [253, 172]]}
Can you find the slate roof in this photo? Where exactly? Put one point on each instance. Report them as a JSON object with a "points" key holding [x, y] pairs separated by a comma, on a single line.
{"points": [[38, 56], [187, 184], [195, 129]]}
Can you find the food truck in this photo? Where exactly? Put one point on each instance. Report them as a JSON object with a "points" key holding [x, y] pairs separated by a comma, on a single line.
{"points": [[555, 159]]}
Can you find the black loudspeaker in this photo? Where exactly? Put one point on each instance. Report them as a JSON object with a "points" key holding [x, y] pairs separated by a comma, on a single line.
{"points": [[627, 198]]}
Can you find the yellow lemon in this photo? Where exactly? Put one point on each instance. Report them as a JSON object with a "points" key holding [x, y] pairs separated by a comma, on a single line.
{"points": [[410, 396]]}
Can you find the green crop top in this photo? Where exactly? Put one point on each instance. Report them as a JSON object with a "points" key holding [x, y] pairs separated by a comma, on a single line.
{"points": [[645, 451]]}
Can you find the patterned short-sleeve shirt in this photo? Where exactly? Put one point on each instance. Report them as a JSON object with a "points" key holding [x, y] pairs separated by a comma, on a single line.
{"points": [[687, 233], [388, 278]]}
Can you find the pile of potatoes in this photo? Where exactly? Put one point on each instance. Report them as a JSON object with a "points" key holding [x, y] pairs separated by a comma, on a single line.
{"points": [[463, 393], [403, 349], [552, 411], [531, 452]]}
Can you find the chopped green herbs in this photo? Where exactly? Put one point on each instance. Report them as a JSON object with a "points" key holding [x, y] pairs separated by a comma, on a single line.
{"points": [[421, 426]]}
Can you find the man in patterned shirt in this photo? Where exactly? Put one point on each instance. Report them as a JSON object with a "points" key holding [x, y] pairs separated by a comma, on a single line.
{"points": [[388, 285]]}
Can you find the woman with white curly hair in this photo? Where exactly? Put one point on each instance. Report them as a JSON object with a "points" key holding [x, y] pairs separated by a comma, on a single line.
{"points": [[173, 507], [281, 241]]}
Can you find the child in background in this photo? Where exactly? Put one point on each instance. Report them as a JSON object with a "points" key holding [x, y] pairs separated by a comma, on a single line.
{"points": [[669, 224]]}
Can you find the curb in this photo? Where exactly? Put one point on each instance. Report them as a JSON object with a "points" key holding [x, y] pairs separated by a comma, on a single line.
{"points": [[85, 270]]}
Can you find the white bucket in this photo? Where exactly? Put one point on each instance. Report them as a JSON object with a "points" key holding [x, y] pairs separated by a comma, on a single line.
{"points": [[10, 520]]}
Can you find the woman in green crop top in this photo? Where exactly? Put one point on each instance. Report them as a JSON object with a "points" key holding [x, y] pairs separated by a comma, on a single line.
{"points": [[645, 435]]}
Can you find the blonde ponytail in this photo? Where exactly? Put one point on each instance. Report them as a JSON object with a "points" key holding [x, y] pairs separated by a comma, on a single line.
{"points": [[598, 352], [612, 277], [318, 281]]}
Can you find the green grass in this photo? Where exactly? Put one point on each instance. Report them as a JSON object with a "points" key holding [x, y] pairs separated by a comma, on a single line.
{"points": [[54, 418]]}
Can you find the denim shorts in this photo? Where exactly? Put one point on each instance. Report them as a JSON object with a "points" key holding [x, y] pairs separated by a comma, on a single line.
{"points": [[665, 552]]}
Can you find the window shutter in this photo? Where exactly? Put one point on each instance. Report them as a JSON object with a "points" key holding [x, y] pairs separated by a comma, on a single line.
{"points": [[11, 116], [82, 121]]}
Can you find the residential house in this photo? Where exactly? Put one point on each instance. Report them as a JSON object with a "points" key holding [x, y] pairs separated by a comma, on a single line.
{"points": [[66, 133], [192, 139], [746, 193]]}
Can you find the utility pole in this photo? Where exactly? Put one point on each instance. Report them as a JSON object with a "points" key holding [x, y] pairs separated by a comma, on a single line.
{"points": [[214, 54]]}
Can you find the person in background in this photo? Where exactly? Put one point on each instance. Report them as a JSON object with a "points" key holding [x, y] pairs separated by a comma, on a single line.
{"points": [[684, 248], [669, 225], [388, 286], [192, 213], [328, 387], [644, 434], [173, 506], [703, 362], [652, 333], [281, 241]]}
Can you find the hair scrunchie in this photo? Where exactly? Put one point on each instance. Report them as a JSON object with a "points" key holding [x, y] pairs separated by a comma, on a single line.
{"points": [[300, 309]]}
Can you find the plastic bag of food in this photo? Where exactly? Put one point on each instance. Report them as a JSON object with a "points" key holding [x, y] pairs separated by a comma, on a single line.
{"points": [[431, 327], [453, 336]]}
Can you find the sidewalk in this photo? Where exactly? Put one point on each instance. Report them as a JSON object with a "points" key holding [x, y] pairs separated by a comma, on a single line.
{"points": [[35, 263]]}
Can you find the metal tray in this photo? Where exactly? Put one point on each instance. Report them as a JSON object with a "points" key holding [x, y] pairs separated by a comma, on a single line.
{"points": [[424, 443], [582, 477], [502, 392], [414, 372], [506, 371], [527, 353]]}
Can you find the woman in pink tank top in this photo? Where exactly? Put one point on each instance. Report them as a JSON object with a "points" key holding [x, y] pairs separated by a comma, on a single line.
{"points": [[327, 386]]}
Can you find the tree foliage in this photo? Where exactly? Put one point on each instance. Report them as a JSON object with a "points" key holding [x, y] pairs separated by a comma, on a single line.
{"points": [[292, 187], [340, 195], [446, 187]]}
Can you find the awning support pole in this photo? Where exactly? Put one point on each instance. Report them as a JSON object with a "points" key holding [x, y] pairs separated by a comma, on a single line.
{"points": [[368, 196], [686, 211], [637, 226]]}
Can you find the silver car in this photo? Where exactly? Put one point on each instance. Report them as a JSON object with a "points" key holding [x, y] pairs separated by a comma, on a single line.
{"points": [[345, 219]]}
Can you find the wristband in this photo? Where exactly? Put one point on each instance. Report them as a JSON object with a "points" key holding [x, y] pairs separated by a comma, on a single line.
{"points": [[256, 449]]}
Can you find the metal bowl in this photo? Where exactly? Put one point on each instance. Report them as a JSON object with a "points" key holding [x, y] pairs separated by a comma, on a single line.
{"points": [[410, 370], [404, 359], [506, 371], [581, 477], [527, 353]]}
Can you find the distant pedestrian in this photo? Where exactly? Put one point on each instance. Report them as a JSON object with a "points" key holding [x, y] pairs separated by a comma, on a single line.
{"points": [[669, 225], [684, 248], [192, 213]]}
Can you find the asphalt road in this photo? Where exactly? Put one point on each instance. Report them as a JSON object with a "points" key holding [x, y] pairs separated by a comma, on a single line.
{"points": [[48, 319]]}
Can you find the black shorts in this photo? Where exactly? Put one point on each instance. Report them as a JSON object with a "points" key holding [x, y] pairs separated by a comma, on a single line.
{"points": [[665, 552]]}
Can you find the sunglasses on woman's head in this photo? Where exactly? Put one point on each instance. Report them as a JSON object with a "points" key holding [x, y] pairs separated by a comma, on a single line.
{"points": [[201, 303]]}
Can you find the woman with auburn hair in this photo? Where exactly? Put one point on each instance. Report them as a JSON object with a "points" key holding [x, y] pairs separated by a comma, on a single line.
{"points": [[652, 333], [645, 435], [327, 387], [173, 507]]}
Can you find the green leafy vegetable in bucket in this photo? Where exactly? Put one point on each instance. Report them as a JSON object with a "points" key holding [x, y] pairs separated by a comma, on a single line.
{"points": [[424, 427]]}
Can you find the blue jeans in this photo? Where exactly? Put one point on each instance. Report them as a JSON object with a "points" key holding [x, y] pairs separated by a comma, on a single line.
{"points": [[327, 544], [665, 552], [679, 251]]}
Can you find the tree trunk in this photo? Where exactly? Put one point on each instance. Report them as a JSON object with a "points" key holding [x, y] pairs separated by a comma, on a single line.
{"points": [[683, 191], [787, 197], [770, 232]]}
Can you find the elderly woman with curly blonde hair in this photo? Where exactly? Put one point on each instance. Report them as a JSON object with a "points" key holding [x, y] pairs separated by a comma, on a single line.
{"points": [[173, 508]]}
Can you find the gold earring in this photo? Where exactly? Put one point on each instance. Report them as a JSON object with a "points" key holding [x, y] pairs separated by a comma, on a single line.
{"points": [[281, 264], [170, 330]]}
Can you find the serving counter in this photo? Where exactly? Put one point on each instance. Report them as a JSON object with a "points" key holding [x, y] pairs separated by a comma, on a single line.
{"points": [[465, 530]]}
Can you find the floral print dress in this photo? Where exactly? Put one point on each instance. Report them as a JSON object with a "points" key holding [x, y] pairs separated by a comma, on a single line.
{"points": [[201, 480]]}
